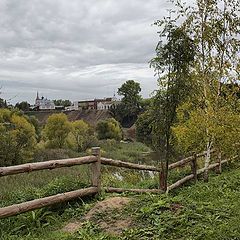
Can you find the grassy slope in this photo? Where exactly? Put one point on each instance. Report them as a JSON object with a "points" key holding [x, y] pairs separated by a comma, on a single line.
{"points": [[202, 211]]}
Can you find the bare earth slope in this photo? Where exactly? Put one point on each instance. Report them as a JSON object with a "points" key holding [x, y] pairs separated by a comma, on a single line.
{"points": [[90, 116]]}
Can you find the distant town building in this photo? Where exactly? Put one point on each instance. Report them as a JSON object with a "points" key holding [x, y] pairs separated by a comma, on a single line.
{"points": [[97, 104], [44, 103], [69, 108]]}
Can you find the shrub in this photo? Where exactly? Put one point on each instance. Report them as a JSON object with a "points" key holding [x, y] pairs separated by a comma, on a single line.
{"points": [[17, 136], [57, 129], [82, 136], [109, 129], [144, 128]]}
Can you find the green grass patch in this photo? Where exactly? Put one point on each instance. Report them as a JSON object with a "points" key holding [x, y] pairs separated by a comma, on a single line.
{"points": [[202, 211]]}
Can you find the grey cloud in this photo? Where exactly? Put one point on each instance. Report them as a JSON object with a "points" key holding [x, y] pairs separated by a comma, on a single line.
{"points": [[76, 49]]}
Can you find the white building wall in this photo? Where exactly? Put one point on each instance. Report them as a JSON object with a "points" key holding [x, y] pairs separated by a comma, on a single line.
{"points": [[104, 105], [75, 105]]}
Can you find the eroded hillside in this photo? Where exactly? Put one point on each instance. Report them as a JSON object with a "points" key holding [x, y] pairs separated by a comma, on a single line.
{"points": [[90, 116]]}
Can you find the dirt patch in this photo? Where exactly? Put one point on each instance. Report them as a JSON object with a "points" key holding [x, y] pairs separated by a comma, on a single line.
{"points": [[116, 227], [175, 207], [72, 227], [106, 214], [107, 205]]}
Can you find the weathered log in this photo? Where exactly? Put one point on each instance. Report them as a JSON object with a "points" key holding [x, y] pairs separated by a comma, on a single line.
{"points": [[180, 163], [96, 169], [44, 202], [180, 182], [118, 163], [121, 190], [191, 176], [204, 153], [187, 160], [29, 167]]}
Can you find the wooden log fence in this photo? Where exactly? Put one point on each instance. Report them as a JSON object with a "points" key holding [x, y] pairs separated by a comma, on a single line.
{"points": [[47, 201], [198, 172], [118, 163], [53, 164], [121, 190], [95, 161]]}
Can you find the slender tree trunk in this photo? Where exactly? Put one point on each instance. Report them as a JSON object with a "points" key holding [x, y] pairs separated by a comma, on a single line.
{"points": [[207, 160]]}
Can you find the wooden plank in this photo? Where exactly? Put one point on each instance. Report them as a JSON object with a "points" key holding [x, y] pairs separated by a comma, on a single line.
{"points": [[121, 190], [118, 163], [29, 167], [44, 202]]}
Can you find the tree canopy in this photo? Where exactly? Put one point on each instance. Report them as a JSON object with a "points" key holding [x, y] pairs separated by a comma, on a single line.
{"points": [[18, 138], [81, 131], [57, 129], [62, 102], [130, 106], [24, 106], [109, 129]]}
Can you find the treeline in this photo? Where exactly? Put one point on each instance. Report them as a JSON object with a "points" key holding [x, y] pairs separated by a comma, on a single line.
{"points": [[25, 106], [23, 140]]}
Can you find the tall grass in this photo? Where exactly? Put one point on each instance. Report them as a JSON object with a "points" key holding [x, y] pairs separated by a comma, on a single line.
{"points": [[27, 186]]}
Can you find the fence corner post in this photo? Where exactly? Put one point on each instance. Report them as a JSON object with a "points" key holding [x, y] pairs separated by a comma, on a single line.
{"points": [[194, 167], [96, 169]]}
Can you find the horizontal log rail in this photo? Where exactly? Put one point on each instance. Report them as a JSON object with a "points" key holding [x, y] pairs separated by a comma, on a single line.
{"points": [[47, 201], [121, 190], [29, 167], [187, 160], [180, 163], [191, 176], [118, 163]]}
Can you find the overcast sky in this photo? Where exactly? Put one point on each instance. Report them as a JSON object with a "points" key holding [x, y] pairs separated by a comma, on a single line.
{"points": [[76, 49]]}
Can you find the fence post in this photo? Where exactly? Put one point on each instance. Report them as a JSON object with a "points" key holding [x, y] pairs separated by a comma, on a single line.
{"points": [[162, 181], [96, 169], [163, 177], [219, 159], [194, 166]]}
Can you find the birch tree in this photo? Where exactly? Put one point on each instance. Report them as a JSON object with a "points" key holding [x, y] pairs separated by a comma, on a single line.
{"points": [[214, 26]]}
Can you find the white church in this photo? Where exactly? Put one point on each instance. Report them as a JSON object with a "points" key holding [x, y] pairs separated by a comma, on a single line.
{"points": [[44, 103]]}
